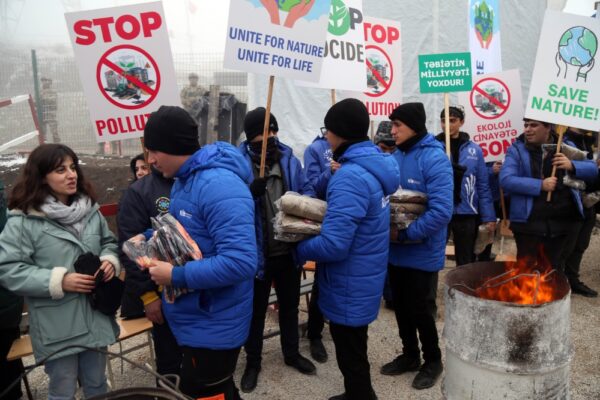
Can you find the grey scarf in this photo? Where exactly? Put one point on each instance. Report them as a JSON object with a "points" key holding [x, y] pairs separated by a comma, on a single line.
{"points": [[69, 216]]}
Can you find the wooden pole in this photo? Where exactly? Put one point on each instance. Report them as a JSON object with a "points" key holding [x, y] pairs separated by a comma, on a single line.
{"points": [[333, 97], [561, 129], [263, 154], [372, 131], [447, 124]]}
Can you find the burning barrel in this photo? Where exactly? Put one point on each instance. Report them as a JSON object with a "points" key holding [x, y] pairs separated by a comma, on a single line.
{"points": [[507, 333]]}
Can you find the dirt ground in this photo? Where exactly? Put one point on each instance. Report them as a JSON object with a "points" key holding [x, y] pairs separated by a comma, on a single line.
{"points": [[110, 175]]}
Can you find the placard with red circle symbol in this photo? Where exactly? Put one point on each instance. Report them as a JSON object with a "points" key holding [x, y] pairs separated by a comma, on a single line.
{"points": [[128, 77], [490, 98], [380, 71]]}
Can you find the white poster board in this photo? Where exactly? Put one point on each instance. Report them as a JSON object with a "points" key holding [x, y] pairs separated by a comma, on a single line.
{"points": [[484, 36], [383, 58], [125, 65], [344, 62], [277, 37], [565, 86], [494, 112]]}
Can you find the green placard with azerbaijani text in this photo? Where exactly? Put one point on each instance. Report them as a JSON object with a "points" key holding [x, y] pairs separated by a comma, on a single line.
{"points": [[445, 73]]}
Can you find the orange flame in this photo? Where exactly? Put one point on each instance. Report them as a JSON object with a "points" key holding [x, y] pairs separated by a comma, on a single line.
{"points": [[526, 281]]}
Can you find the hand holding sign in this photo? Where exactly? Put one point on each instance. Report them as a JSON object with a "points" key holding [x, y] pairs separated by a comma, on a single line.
{"points": [[298, 11], [273, 10]]}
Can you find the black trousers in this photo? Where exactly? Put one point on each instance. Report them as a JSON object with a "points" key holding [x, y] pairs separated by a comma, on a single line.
{"points": [[168, 353], [351, 353], [464, 233], [206, 373], [414, 292], [11, 370], [283, 272], [581, 240], [553, 248], [316, 321]]}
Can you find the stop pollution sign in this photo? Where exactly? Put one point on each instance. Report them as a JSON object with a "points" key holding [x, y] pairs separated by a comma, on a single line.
{"points": [[125, 65], [494, 112]]}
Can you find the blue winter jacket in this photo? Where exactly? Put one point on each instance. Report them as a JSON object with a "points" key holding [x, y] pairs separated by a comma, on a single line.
{"points": [[352, 249], [494, 181], [516, 179], [317, 159], [426, 168], [295, 181], [210, 198], [475, 194]]}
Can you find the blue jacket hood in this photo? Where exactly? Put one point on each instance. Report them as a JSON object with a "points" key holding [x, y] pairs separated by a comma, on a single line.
{"points": [[384, 169], [217, 155]]}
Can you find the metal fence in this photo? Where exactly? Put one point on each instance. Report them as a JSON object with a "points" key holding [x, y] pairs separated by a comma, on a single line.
{"points": [[74, 124]]}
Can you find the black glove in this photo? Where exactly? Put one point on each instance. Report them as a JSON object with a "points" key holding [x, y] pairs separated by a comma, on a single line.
{"points": [[258, 187]]}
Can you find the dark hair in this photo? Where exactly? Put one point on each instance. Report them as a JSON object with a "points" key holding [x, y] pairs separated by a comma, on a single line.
{"points": [[134, 161], [454, 111], [31, 191], [546, 124]]}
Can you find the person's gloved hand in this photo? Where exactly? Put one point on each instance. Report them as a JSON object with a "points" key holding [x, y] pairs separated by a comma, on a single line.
{"points": [[258, 187]]}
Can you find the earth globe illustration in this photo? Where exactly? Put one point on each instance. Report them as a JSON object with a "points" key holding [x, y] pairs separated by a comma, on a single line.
{"points": [[578, 46], [286, 5]]}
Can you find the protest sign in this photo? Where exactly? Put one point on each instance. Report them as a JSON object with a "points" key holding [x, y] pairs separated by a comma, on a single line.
{"points": [[278, 38], [484, 36], [565, 87], [494, 112], [445, 73], [125, 65], [344, 62]]}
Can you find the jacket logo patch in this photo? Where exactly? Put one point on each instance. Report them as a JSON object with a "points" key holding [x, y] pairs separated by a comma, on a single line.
{"points": [[328, 155], [413, 181], [185, 214], [385, 201], [162, 204], [472, 151]]}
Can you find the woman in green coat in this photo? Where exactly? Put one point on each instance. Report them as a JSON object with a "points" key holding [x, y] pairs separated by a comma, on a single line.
{"points": [[53, 220]]}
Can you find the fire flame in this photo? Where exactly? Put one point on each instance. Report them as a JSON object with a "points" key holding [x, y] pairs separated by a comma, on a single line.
{"points": [[527, 281]]}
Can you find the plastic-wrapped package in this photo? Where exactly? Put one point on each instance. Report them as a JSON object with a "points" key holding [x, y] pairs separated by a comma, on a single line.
{"points": [[572, 153], [170, 243], [292, 224], [407, 208], [401, 218], [484, 237], [301, 206], [290, 237], [408, 196], [590, 199], [571, 182]]}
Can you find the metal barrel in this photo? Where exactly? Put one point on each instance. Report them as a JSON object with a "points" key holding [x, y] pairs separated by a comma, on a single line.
{"points": [[499, 350]]}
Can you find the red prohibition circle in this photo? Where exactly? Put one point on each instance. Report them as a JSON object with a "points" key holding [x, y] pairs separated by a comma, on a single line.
{"points": [[503, 107], [371, 46], [104, 62]]}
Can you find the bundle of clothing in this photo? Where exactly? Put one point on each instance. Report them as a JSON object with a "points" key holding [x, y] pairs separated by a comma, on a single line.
{"points": [[169, 242], [299, 217], [406, 206]]}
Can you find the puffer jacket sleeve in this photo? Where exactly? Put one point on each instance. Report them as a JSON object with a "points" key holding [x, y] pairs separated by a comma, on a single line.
{"points": [[437, 173], [18, 273], [586, 170], [486, 201], [228, 209], [347, 205], [510, 179], [317, 178], [300, 178]]}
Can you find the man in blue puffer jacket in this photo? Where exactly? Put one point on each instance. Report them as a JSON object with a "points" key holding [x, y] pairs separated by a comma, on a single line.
{"points": [[418, 253], [352, 247], [473, 201], [277, 263], [211, 200], [526, 176]]}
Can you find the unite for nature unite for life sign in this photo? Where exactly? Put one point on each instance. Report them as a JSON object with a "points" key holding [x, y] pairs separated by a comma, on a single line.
{"points": [[383, 68], [565, 88], [344, 55], [493, 112], [277, 37], [125, 65]]}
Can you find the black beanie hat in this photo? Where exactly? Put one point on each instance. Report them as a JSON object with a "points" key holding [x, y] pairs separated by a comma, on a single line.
{"points": [[254, 123], [412, 115], [348, 119], [171, 130]]}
